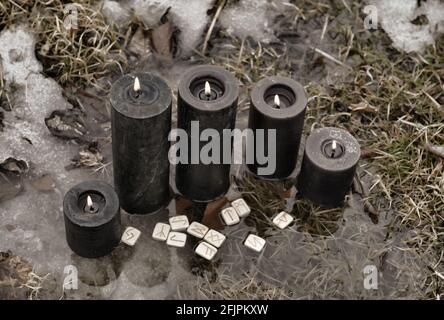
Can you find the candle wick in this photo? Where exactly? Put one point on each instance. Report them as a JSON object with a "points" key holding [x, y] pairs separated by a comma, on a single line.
{"points": [[277, 101], [207, 89]]}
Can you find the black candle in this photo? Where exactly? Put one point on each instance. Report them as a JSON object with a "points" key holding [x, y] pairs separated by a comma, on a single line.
{"points": [[328, 167], [141, 123], [277, 103], [207, 96], [92, 219]]}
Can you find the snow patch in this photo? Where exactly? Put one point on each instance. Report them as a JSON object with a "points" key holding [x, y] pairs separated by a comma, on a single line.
{"points": [[189, 16], [250, 18], [396, 16]]}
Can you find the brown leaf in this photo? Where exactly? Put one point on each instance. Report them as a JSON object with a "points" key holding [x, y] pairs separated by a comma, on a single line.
{"points": [[182, 204], [211, 216], [44, 183], [15, 166], [369, 153], [67, 124], [139, 44], [162, 39], [14, 273], [286, 194], [89, 156], [10, 227], [8, 190]]}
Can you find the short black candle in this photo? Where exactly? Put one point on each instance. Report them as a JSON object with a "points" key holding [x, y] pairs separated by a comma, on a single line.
{"points": [[278, 103], [328, 167], [141, 123], [92, 219], [208, 95]]}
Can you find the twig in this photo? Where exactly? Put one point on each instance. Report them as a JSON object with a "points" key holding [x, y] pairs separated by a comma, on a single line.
{"points": [[346, 6], [213, 23], [436, 150], [324, 29], [439, 108], [330, 57]]}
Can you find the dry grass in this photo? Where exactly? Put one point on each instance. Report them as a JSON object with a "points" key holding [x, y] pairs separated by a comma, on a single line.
{"points": [[226, 287], [391, 101], [72, 56]]}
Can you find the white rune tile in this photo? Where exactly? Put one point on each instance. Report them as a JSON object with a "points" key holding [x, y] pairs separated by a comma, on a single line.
{"points": [[254, 242], [161, 231], [283, 220], [206, 250], [230, 216], [197, 229], [241, 207], [179, 223], [215, 238], [130, 236], [177, 239]]}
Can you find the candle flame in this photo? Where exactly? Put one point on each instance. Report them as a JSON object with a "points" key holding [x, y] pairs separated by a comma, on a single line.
{"points": [[207, 88], [136, 84], [277, 101], [334, 145], [89, 202]]}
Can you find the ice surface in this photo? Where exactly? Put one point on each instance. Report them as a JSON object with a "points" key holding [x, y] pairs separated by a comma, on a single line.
{"points": [[396, 18], [31, 224], [36, 218]]}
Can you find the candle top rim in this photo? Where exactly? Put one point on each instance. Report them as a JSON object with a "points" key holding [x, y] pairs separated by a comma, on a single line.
{"points": [[316, 141], [76, 215], [139, 110], [226, 79], [260, 89]]}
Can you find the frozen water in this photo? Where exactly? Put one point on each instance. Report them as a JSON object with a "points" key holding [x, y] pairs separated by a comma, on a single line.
{"points": [[36, 98], [37, 231], [31, 224], [396, 18]]}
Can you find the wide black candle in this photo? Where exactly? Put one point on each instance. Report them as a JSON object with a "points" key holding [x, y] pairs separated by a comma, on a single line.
{"points": [[328, 167], [207, 98], [277, 103], [141, 123], [92, 219]]}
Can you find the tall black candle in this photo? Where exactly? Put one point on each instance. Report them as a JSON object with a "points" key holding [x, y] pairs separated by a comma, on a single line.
{"points": [[141, 123], [92, 219], [277, 103], [207, 97], [328, 167]]}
